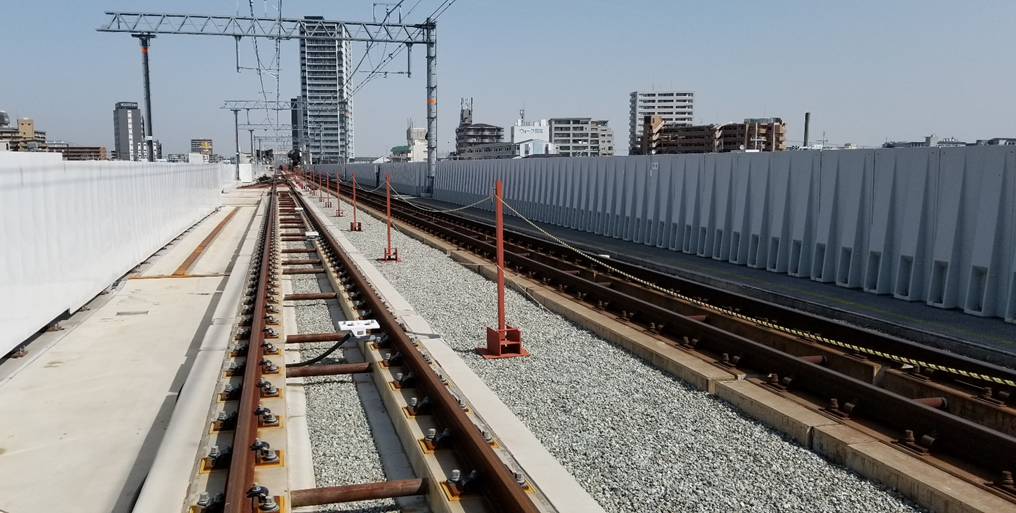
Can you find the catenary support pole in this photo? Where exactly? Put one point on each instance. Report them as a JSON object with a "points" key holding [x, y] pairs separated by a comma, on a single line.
{"points": [[149, 142], [236, 138], [431, 36], [253, 154]]}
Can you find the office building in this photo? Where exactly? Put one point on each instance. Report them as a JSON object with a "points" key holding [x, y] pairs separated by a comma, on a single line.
{"points": [[129, 132], [673, 107], [469, 134], [524, 130], [326, 93], [582, 137]]}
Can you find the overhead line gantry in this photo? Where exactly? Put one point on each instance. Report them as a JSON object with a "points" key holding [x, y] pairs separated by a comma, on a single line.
{"points": [[147, 25]]}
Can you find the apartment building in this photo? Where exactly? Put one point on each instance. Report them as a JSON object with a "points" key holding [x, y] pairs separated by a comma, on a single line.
{"points": [[754, 134], [469, 134], [582, 137], [673, 107]]}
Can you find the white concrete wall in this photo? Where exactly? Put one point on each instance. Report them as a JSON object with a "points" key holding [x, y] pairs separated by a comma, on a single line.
{"points": [[70, 229], [936, 225]]}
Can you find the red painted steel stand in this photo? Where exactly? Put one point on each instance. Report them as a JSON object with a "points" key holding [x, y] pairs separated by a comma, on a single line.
{"points": [[338, 198], [391, 254], [328, 197], [355, 226], [317, 180], [505, 341]]}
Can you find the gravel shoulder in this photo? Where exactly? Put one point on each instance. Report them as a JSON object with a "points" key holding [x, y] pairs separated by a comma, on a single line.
{"points": [[635, 438]]}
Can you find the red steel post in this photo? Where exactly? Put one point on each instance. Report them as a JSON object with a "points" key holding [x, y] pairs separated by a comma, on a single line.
{"points": [[325, 181], [391, 255], [354, 226], [505, 341], [499, 220], [338, 198]]}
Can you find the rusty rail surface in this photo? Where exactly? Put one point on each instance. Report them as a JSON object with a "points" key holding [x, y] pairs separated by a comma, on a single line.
{"points": [[983, 447], [497, 482], [240, 477], [327, 370], [358, 492]]}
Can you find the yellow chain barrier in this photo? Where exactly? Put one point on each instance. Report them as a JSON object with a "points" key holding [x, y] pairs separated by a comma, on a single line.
{"points": [[407, 199]]}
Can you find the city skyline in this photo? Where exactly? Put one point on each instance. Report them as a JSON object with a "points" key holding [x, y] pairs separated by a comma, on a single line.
{"points": [[867, 72]]}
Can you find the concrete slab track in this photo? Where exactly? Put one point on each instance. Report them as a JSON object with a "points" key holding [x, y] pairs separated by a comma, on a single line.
{"points": [[82, 421]]}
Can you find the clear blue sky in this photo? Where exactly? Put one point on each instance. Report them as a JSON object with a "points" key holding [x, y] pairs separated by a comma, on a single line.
{"points": [[867, 70]]}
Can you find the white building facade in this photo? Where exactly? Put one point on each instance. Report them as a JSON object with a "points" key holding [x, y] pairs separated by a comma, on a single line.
{"points": [[582, 137], [524, 130]]}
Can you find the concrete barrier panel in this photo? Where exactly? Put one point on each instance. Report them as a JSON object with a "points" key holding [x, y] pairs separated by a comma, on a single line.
{"points": [[70, 229]]}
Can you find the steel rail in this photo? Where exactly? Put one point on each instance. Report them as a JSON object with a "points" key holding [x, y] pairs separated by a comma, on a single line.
{"points": [[788, 317], [498, 483], [240, 476], [962, 438]]}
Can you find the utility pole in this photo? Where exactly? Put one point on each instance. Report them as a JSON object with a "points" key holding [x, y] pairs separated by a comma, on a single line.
{"points": [[145, 39]]}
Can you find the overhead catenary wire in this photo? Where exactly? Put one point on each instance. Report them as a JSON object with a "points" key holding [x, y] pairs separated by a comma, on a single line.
{"points": [[384, 62]]}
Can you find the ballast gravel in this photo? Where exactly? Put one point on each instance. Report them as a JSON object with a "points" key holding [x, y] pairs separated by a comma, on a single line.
{"points": [[342, 447], [635, 438]]}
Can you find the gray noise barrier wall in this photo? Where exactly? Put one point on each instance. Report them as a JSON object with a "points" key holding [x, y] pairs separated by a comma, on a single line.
{"points": [[936, 225]]}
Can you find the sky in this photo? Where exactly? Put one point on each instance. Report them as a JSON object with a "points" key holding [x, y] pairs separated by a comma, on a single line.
{"points": [[868, 71]]}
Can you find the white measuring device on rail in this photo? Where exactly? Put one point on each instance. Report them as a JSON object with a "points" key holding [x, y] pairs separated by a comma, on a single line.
{"points": [[358, 328]]}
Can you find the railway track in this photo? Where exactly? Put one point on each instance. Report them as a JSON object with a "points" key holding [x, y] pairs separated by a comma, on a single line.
{"points": [[952, 411], [250, 473]]}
